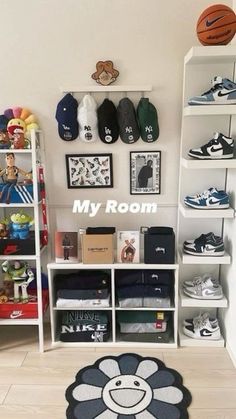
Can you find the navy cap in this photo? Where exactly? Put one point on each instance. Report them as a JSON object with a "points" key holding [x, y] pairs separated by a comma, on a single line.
{"points": [[3, 122], [66, 116]]}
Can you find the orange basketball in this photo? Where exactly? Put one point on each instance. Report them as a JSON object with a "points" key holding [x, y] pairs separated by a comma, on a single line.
{"points": [[216, 25]]}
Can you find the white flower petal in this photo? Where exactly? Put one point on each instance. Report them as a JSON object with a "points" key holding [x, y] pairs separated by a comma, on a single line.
{"points": [[145, 415], [110, 367], [85, 392], [108, 414], [146, 368], [169, 394]]}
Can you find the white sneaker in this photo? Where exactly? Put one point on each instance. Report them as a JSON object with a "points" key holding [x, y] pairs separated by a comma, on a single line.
{"points": [[208, 289], [203, 329], [195, 320]]}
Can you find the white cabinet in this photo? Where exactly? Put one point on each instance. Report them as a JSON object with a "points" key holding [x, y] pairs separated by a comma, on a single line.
{"points": [[35, 205], [113, 310], [199, 123]]}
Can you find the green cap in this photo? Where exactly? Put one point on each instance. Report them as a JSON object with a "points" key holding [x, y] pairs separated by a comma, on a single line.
{"points": [[148, 120]]}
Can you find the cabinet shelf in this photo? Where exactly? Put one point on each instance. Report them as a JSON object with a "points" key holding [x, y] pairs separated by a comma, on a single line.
{"points": [[187, 341], [202, 110], [19, 322], [208, 164], [217, 54], [110, 88], [205, 260], [80, 265], [82, 308], [188, 212], [193, 302]]}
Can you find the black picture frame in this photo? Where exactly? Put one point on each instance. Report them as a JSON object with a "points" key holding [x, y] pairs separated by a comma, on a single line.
{"points": [[145, 177], [89, 171]]}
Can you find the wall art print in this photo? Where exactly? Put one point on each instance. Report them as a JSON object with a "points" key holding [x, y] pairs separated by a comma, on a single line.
{"points": [[89, 171], [145, 172]]}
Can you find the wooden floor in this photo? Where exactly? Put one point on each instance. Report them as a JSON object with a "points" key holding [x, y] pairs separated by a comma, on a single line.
{"points": [[32, 385]]}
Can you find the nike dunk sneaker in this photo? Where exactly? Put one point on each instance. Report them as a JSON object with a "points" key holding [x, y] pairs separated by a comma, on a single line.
{"points": [[205, 245], [196, 319], [219, 147], [209, 199], [223, 92], [203, 329]]}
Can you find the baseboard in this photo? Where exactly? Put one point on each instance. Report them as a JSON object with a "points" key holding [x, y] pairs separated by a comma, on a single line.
{"points": [[231, 354]]}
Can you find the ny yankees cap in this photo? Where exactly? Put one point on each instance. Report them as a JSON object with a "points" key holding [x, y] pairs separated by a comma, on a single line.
{"points": [[148, 120], [66, 116], [87, 118], [108, 127], [128, 125]]}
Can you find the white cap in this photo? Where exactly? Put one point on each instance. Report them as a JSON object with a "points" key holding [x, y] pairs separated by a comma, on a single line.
{"points": [[87, 118]]}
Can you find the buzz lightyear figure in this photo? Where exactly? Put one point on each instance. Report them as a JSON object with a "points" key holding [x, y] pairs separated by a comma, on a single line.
{"points": [[19, 272]]}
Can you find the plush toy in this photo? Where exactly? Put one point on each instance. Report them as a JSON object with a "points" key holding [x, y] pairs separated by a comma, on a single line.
{"points": [[106, 73], [21, 121], [5, 142], [11, 172], [21, 275], [19, 226]]}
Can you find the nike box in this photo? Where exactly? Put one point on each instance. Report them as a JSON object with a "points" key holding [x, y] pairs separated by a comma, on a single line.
{"points": [[159, 245], [18, 246], [11, 310], [97, 248]]}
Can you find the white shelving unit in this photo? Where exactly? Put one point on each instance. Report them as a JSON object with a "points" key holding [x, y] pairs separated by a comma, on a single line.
{"points": [[199, 123], [36, 154], [55, 268]]}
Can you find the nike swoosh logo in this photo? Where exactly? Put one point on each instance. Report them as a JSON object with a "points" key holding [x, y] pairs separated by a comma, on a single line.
{"points": [[225, 94], [206, 333], [16, 315], [207, 292], [216, 149], [210, 22]]}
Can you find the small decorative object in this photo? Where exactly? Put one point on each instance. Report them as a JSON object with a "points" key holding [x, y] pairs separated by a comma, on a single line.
{"points": [[20, 224], [11, 172], [145, 172], [89, 171], [216, 25], [21, 274], [106, 73], [4, 228], [66, 247], [128, 246], [20, 122]]}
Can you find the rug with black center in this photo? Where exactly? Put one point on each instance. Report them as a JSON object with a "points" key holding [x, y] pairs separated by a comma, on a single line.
{"points": [[127, 387]]}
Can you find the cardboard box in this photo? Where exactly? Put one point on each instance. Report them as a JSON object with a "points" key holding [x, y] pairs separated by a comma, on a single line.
{"points": [[97, 248]]}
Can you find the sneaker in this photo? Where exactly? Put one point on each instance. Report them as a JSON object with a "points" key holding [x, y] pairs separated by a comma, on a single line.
{"points": [[203, 329], [205, 245], [208, 289], [210, 199], [195, 320], [223, 92], [219, 147], [197, 280]]}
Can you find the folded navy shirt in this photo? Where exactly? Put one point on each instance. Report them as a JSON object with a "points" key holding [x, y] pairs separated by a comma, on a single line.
{"points": [[100, 230], [132, 291], [83, 294]]}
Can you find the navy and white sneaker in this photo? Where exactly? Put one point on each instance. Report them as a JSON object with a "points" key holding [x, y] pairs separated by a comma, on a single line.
{"points": [[205, 245], [204, 329], [219, 147], [223, 92], [212, 198]]}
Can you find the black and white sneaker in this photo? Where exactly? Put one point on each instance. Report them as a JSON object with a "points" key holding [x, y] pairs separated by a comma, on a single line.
{"points": [[204, 329], [205, 245], [220, 147], [196, 319]]}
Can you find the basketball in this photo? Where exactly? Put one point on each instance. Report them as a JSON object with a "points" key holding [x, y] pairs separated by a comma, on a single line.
{"points": [[216, 25]]}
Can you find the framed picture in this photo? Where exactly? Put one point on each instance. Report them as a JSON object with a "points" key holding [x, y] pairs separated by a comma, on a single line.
{"points": [[145, 172], [89, 171]]}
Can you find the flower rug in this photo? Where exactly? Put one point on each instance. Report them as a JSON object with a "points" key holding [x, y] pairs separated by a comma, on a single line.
{"points": [[127, 387]]}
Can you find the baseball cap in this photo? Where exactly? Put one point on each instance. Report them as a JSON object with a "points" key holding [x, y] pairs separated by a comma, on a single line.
{"points": [[148, 120], [87, 118], [108, 127], [66, 116], [3, 123], [129, 130]]}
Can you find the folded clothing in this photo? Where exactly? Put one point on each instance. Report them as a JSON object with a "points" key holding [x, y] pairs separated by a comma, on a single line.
{"points": [[84, 279], [164, 337], [160, 230], [143, 291], [126, 277], [100, 230], [83, 294], [157, 327], [142, 322], [145, 302], [64, 302], [84, 326]]}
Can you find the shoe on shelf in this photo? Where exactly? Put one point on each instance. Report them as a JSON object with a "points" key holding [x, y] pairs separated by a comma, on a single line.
{"points": [[207, 289], [212, 198], [219, 147], [196, 319], [198, 279], [205, 245], [204, 329], [222, 92]]}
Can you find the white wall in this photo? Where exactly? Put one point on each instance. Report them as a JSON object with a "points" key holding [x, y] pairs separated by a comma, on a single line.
{"points": [[47, 44]]}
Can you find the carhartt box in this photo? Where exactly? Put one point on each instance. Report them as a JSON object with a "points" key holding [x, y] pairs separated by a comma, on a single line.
{"points": [[97, 248]]}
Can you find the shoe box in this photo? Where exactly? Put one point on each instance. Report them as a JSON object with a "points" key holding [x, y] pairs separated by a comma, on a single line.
{"points": [[14, 311], [159, 245], [20, 194], [19, 246], [97, 248]]}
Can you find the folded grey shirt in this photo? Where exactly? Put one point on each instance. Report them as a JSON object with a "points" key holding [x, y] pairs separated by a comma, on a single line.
{"points": [[83, 294]]}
